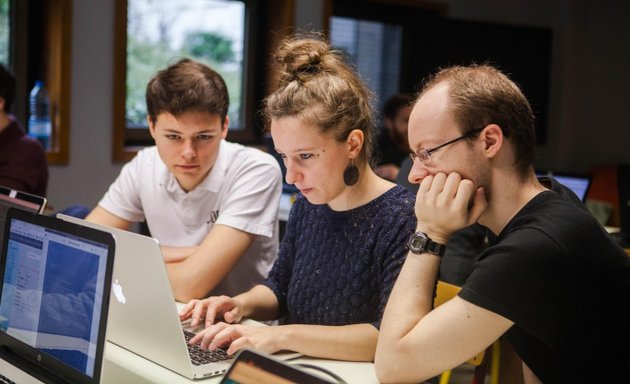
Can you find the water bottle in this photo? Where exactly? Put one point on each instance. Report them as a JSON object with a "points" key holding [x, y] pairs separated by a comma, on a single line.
{"points": [[39, 126]]}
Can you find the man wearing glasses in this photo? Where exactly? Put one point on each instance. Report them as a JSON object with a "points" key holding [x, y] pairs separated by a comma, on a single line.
{"points": [[553, 282]]}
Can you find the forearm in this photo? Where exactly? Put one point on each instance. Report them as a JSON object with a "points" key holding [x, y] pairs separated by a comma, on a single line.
{"points": [[177, 254], [198, 274], [356, 342], [259, 303], [190, 283], [102, 216], [411, 299]]}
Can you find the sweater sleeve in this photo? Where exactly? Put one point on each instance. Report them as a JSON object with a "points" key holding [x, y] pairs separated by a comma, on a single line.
{"points": [[395, 235]]}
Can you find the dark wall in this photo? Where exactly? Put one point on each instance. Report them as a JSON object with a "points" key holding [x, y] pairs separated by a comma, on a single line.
{"points": [[524, 53], [432, 40]]}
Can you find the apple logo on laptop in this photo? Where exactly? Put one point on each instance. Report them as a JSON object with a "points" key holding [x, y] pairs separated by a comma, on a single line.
{"points": [[118, 292]]}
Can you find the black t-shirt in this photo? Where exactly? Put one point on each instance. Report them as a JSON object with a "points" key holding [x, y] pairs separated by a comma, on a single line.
{"points": [[465, 245], [565, 284]]}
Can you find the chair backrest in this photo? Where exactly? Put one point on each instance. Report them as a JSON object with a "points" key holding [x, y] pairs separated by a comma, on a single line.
{"points": [[444, 292]]}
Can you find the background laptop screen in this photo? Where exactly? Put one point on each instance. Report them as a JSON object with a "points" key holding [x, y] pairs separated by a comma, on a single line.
{"points": [[578, 184], [53, 292], [12, 198]]}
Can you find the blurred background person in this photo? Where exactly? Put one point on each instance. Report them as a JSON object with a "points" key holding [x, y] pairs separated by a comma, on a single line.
{"points": [[392, 144], [23, 164]]}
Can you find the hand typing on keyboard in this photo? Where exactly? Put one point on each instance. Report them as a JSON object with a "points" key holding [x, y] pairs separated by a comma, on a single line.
{"points": [[238, 336], [212, 308], [200, 356]]}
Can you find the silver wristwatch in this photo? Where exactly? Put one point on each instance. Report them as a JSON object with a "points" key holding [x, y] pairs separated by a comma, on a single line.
{"points": [[419, 243]]}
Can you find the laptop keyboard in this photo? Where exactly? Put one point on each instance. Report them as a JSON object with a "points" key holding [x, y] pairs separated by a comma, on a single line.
{"points": [[6, 380], [200, 356]]}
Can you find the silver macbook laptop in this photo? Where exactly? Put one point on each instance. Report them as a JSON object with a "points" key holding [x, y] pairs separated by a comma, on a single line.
{"points": [[143, 316], [54, 300]]}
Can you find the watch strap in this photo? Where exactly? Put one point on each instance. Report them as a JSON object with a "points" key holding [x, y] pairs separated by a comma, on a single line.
{"points": [[420, 242], [436, 248]]}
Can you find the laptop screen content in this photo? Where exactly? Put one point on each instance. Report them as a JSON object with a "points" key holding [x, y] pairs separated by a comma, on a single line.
{"points": [[579, 185], [53, 291], [576, 183]]}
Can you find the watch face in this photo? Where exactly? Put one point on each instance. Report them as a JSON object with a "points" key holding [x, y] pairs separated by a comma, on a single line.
{"points": [[418, 242]]}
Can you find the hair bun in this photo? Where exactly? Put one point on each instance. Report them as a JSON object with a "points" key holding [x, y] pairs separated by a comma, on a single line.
{"points": [[319, 87], [302, 59]]}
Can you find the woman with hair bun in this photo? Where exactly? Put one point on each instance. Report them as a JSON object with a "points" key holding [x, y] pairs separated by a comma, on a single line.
{"points": [[345, 236]]}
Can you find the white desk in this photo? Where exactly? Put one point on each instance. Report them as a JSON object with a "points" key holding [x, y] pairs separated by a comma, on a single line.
{"points": [[122, 366]]}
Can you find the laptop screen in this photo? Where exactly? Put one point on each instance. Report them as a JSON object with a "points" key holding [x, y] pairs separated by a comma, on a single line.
{"points": [[12, 198], [55, 293], [578, 184], [251, 367]]}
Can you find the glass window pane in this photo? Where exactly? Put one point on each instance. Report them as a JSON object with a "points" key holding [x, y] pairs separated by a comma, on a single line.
{"points": [[5, 31], [374, 48], [159, 32]]}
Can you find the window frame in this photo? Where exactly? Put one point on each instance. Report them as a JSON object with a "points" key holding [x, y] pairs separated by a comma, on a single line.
{"points": [[49, 42], [413, 14], [397, 12], [121, 150]]}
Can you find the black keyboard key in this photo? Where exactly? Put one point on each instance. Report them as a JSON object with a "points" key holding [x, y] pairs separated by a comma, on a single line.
{"points": [[5, 380], [200, 356]]}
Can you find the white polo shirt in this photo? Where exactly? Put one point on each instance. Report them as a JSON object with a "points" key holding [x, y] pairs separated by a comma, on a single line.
{"points": [[241, 191]]}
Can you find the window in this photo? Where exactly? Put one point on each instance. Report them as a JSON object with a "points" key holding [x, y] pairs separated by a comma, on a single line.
{"points": [[5, 29], [38, 48], [374, 48], [430, 40], [155, 33], [374, 34]]}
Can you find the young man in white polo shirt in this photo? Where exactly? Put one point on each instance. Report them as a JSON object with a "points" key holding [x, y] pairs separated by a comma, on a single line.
{"points": [[212, 204]]}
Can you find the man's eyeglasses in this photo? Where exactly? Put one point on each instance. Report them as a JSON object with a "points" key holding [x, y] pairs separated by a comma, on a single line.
{"points": [[424, 155]]}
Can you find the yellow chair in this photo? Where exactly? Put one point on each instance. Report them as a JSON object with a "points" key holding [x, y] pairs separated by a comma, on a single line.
{"points": [[491, 356]]}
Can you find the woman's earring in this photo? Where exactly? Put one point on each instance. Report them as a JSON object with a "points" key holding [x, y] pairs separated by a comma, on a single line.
{"points": [[351, 174]]}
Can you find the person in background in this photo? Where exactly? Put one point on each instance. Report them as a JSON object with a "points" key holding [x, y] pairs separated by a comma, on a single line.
{"points": [[553, 281], [392, 144], [23, 164], [211, 204], [343, 246]]}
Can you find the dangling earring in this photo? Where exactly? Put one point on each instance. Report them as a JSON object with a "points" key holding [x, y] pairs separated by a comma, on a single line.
{"points": [[351, 174]]}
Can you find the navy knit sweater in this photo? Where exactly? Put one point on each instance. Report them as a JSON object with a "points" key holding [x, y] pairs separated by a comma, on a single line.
{"points": [[338, 268]]}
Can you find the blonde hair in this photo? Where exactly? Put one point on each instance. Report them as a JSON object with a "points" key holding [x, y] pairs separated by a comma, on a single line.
{"points": [[316, 85]]}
